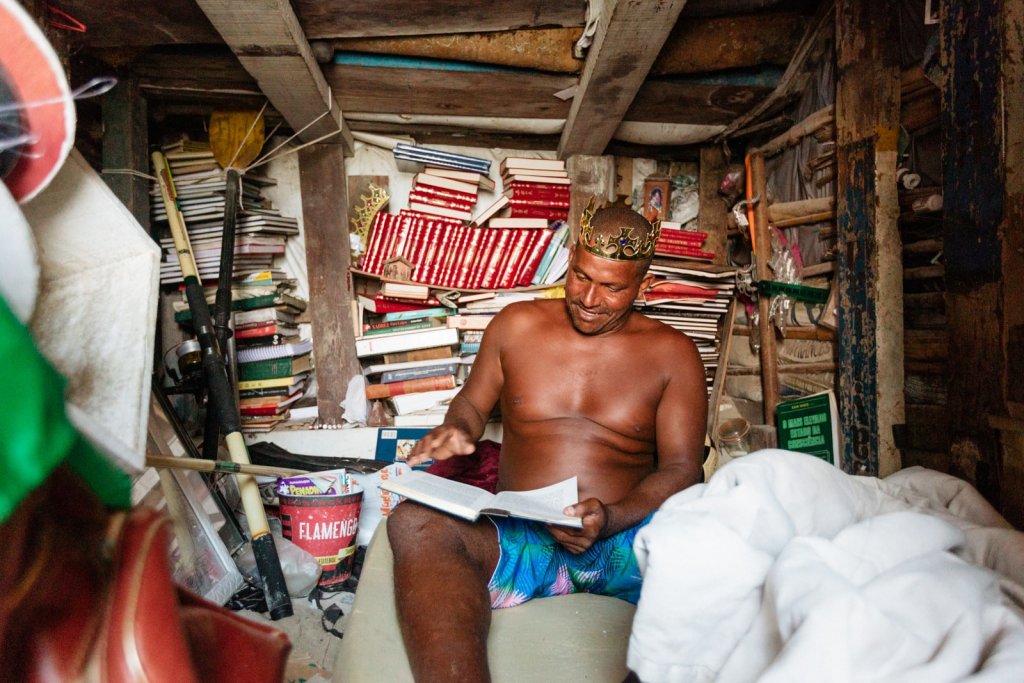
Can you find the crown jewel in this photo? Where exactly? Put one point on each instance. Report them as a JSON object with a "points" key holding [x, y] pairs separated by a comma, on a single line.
{"points": [[625, 246]]}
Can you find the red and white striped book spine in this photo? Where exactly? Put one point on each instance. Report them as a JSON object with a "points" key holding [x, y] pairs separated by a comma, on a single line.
{"points": [[534, 257], [489, 276], [443, 194], [373, 244], [463, 273], [395, 226], [417, 198], [520, 247], [448, 253], [548, 213], [474, 272]]}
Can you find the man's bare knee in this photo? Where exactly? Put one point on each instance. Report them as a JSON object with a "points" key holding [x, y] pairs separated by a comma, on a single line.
{"points": [[414, 529]]}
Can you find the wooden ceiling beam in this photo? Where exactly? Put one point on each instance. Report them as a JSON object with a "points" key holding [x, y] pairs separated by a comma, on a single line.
{"points": [[266, 37], [628, 39]]}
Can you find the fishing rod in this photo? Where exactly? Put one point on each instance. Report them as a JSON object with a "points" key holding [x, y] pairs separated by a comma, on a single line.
{"points": [[222, 400]]}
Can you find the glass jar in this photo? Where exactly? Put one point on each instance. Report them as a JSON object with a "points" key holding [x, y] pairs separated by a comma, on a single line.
{"points": [[734, 438]]}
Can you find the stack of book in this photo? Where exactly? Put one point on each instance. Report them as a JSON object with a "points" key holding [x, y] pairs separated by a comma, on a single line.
{"points": [[536, 188], [439, 158], [694, 302], [456, 256], [436, 195], [677, 242], [272, 377], [555, 262], [409, 356], [260, 231]]}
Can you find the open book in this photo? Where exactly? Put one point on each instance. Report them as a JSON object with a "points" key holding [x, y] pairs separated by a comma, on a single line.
{"points": [[469, 502]]}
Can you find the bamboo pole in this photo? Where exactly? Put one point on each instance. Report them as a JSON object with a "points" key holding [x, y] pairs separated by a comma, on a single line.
{"points": [[763, 250], [799, 131], [200, 465]]}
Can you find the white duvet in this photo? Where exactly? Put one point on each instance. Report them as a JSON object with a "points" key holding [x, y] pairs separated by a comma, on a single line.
{"points": [[782, 568]]}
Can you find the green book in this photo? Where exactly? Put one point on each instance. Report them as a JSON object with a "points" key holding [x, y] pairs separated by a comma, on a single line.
{"points": [[810, 425], [274, 368], [265, 301]]}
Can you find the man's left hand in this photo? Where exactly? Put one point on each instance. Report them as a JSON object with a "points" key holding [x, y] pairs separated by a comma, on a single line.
{"points": [[595, 520]]}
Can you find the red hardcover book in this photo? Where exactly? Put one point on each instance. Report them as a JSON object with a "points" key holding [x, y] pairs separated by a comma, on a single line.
{"points": [[444, 183], [415, 247], [549, 214], [416, 197], [394, 236], [454, 253], [670, 233], [464, 274], [425, 258], [534, 257], [421, 216], [441, 193], [432, 252], [520, 246], [444, 211], [439, 249], [373, 243], [684, 238], [381, 304], [508, 253], [554, 181], [517, 185], [264, 331], [539, 202], [410, 386], [489, 266], [254, 411], [684, 252]]}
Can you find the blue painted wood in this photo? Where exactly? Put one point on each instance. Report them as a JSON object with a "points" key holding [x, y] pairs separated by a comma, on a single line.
{"points": [[857, 270]]}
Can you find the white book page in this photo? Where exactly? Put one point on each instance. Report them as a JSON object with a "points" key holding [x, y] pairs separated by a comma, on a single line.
{"points": [[439, 492], [543, 504]]}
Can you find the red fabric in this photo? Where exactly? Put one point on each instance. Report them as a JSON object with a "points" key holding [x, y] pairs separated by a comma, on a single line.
{"points": [[480, 468]]}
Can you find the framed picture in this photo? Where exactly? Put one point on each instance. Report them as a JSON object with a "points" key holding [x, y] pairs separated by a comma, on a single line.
{"points": [[656, 198]]}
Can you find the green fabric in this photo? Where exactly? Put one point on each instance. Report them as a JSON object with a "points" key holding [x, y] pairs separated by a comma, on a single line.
{"points": [[36, 434]]}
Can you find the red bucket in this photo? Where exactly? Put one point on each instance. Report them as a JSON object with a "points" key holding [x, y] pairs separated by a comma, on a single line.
{"points": [[325, 527]]}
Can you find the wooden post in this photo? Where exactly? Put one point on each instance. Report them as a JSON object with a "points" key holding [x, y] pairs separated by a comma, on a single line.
{"points": [[126, 146], [977, 109], [762, 253], [593, 177], [714, 214], [869, 263], [325, 219]]}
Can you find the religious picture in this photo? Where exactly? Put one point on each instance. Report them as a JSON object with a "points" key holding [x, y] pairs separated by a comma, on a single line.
{"points": [[656, 196]]}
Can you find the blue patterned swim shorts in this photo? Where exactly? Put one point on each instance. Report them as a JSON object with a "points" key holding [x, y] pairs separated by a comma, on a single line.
{"points": [[534, 565]]}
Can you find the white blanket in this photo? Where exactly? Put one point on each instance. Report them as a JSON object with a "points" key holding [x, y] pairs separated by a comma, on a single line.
{"points": [[782, 568]]}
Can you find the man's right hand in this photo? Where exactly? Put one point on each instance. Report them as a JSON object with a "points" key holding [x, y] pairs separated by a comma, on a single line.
{"points": [[441, 443]]}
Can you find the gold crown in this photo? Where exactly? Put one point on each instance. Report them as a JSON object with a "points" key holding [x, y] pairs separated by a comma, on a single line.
{"points": [[622, 247]]}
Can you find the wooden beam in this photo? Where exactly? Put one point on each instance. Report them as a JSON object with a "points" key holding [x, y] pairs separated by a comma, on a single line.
{"points": [[266, 37], [325, 219], [708, 44], [593, 178], [126, 147], [452, 93], [628, 38], [664, 101], [348, 19], [869, 264], [713, 216]]}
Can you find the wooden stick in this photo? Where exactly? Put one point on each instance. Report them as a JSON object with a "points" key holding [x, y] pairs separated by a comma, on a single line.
{"points": [[804, 220], [200, 465], [763, 250], [790, 369], [796, 332], [794, 135]]}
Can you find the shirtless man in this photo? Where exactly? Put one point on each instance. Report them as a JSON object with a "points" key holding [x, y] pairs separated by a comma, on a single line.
{"points": [[587, 388]]}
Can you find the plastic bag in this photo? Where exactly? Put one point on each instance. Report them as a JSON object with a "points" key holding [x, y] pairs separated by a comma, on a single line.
{"points": [[301, 570]]}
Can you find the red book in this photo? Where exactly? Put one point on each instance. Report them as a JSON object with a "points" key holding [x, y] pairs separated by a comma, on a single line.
{"points": [[253, 411], [422, 216], [374, 240], [469, 256], [441, 193], [410, 386], [508, 253], [549, 214], [534, 257], [453, 255], [542, 202], [520, 246], [685, 252], [489, 269], [444, 254], [380, 304], [263, 331], [538, 190], [510, 178], [670, 233], [443, 211], [416, 197], [412, 241], [393, 237], [444, 183], [425, 259], [380, 244], [480, 258]]}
